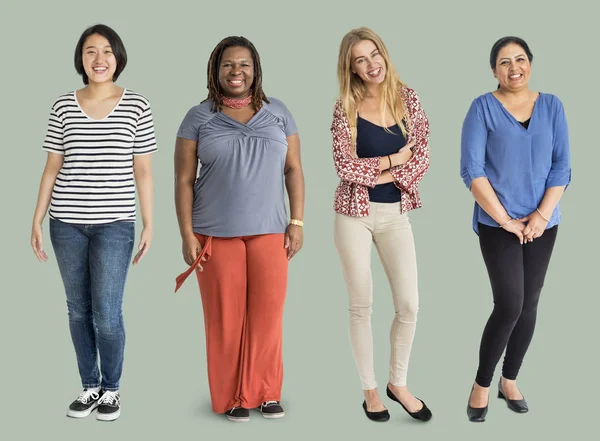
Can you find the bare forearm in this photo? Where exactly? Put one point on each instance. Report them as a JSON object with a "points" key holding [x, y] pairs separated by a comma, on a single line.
{"points": [[487, 199], [184, 200], [186, 165], [384, 163], [294, 183], [394, 160], [145, 185], [550, 200], [44, 195]]}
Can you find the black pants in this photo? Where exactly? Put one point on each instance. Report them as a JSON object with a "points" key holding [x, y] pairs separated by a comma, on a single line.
{"points": [[517, 275]]}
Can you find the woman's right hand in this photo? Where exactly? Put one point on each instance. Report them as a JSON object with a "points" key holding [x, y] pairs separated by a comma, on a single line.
{"points": [[36, 242], [191, 248], [516, 226], [404, 154]]}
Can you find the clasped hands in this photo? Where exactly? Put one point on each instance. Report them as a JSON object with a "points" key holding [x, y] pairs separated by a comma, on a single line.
{"points": [[528, 228]]}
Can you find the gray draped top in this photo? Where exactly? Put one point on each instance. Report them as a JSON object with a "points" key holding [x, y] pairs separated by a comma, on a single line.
{"points": [[240, 189]]}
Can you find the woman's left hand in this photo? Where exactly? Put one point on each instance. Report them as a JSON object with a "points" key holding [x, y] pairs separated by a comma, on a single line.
{"points": [[144, 246], [294, 237], [535, 226]]}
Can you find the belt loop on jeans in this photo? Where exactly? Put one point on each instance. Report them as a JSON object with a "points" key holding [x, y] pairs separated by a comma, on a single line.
{"points": [[206, 251]]}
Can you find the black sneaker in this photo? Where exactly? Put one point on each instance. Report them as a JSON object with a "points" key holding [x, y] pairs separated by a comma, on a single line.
{"points": [[271, 409], [238, 414], [84, 404], [109, 406]]}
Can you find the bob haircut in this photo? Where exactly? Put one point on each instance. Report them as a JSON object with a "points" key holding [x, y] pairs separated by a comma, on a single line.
{"points": [[116, 44]]}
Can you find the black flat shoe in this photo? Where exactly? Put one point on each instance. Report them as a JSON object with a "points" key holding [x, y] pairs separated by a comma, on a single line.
{"points": [[476, 414], [423, 414], [238, 415], [381, 416], [519, 406]]}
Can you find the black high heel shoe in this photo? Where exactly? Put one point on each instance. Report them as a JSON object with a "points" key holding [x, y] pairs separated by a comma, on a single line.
{"points": [[519, 406], [381, 416], [476, 414], [423, 414]]}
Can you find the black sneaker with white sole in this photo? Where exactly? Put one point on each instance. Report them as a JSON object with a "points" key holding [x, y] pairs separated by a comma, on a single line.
{"points": [[109, 406], [84, 404], [271, 409], [238, 414]]}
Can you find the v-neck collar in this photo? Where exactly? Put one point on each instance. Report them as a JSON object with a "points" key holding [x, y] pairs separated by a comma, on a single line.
{"points": [[247, 125], [514, 120], [104, 118]]}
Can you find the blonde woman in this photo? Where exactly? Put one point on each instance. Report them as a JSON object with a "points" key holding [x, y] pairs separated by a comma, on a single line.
{"points": [[380, 136]]}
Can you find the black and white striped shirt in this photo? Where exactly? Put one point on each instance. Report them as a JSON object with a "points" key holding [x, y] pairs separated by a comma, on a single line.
{"points": [[96, 182]]}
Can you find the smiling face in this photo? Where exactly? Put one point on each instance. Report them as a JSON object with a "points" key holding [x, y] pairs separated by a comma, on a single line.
{"points": [[98, 59], [236, 72], [368, 63], [512, 68]]}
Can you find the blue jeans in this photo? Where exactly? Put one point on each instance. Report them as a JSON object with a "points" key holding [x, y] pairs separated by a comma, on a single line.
{"points": [[93, 262]]}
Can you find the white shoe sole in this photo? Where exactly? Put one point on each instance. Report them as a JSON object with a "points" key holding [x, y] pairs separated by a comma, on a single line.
{"points": [[108, 416], [238, 420], [273, 416], [81, 413]]}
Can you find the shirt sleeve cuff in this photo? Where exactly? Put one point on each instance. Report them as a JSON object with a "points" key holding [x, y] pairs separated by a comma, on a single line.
{"points": [[51, 150], [469, 175], [559, 179]]}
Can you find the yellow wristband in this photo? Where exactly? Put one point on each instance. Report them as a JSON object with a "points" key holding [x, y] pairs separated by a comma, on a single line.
{"points": [[296, 222]]}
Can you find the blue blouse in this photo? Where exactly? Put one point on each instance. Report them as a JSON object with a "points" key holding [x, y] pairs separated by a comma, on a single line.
{"points": [[520, 163]]}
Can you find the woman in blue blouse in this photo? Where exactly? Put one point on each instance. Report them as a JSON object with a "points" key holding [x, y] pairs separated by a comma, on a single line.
{"points": [[515, 160]]}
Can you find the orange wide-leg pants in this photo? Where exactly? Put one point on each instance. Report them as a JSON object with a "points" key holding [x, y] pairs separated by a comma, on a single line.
{"points": [[243, 287]]}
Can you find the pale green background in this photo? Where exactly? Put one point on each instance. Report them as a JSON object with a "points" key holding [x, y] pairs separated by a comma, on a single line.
{"points": [[440, 49]]}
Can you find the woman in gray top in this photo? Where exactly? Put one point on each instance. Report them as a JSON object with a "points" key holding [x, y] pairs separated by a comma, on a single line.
{"points": [[235, 229]]}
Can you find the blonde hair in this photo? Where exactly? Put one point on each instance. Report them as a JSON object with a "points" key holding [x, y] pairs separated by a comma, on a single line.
{"points": [[353, 90]]}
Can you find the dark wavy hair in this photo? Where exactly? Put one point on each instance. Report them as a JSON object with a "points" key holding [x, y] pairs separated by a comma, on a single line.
{"points": [[212, 81]]}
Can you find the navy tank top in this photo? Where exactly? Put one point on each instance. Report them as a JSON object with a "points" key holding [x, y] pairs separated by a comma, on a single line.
{"points": [[373, 140]]}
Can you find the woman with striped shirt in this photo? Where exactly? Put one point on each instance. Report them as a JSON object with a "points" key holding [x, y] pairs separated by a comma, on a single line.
{"points": [[99, 141]]}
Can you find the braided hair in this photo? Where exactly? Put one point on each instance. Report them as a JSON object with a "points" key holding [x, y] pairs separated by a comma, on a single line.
{"points": [[213, 86]]}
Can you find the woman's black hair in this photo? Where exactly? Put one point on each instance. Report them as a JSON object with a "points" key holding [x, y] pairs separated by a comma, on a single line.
{"points": [[116, 44], [505, 41]]}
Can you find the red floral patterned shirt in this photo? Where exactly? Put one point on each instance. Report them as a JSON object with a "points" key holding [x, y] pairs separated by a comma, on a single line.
{"points": [[356, 174]]}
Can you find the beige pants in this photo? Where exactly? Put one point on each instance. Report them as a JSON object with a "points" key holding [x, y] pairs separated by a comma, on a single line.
{"points": [[392, 234]]}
